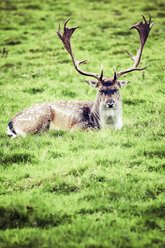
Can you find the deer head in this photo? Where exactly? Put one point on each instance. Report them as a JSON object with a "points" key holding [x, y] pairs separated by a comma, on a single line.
{"points": [[108, 96]]}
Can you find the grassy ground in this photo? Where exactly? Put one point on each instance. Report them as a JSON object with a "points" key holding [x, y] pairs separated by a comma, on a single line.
{"points": [[81, 189]]}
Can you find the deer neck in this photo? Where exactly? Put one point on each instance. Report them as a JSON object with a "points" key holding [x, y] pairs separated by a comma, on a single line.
{"points": [[104, 117]]}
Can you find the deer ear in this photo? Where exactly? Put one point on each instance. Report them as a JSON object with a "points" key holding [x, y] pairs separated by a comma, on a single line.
{"points": [[92, 83], [122, 83]]}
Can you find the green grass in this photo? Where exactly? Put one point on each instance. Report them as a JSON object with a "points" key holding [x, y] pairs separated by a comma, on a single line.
{"points": [[82, 189]]}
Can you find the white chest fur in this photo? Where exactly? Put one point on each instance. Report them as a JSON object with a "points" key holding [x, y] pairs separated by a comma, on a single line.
{"points": [[110, 117]]}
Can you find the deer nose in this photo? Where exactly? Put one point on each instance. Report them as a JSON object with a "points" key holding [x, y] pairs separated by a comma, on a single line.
{"points": [[110, 103]]}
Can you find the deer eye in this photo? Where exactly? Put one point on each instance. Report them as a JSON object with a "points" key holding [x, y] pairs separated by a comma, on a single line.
{"points": [[101, 92]]}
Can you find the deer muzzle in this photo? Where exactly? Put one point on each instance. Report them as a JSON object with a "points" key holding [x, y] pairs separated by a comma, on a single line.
{"points": [[110, 103]]}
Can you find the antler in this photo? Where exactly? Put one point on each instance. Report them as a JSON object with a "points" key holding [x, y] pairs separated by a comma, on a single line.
{"points": [[143, 30], [66, 38]]}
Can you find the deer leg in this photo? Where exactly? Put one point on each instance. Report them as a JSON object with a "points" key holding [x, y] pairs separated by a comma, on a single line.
{"points": [[83, 126]]}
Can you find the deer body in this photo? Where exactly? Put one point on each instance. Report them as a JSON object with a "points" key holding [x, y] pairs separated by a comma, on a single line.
{"points": [[63, 115], [105, 111]]}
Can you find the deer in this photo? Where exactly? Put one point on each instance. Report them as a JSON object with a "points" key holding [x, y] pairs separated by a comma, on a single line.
{"points": [[104, 112]]}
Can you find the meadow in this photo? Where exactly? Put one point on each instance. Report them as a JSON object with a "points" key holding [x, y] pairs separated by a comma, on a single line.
{"points": [[105, 188]]}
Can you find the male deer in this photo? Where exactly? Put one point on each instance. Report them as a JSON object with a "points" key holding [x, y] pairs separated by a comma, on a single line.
{"points": [[105, 111]]}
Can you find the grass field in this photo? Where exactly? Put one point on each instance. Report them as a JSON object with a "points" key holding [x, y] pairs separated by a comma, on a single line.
{"points": [[82, 189]]}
